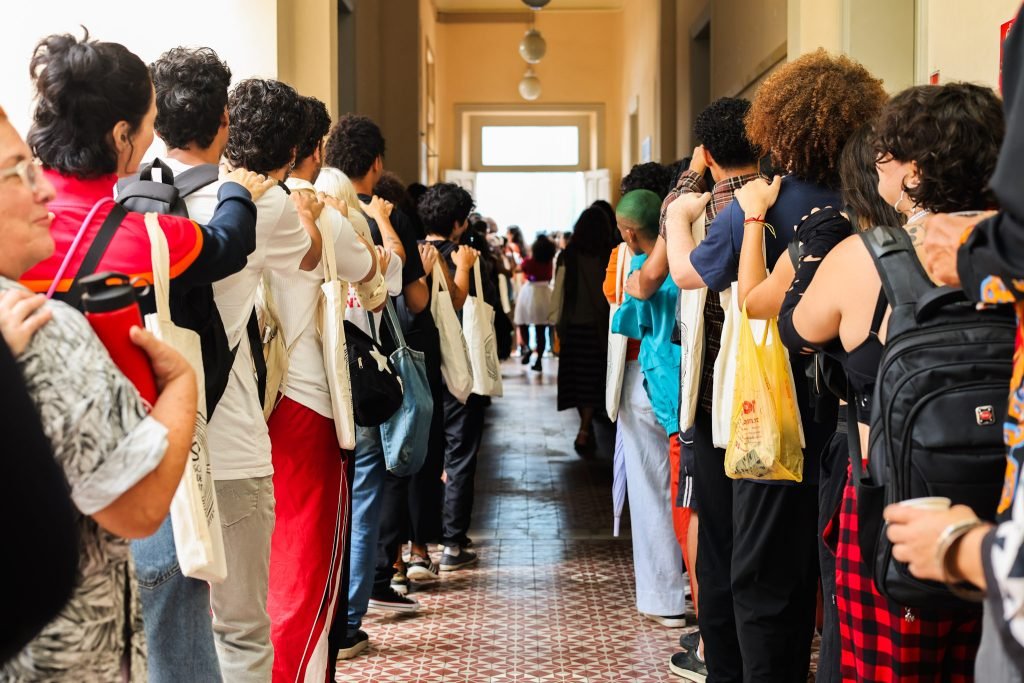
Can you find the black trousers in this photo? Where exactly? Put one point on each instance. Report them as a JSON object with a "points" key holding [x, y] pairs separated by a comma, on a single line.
{"points": [[464, 426], [834, 461], [758, 566], [411, 506]]}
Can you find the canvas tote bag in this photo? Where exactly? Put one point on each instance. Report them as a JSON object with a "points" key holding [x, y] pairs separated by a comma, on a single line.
{"points": [[478, 328], [195, 517], [616, 369], [331, 325], [691, 336], [456, 367]]}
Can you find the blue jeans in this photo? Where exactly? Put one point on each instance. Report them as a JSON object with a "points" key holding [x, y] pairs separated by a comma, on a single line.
{"points": [[175, 614], [366, 498]]}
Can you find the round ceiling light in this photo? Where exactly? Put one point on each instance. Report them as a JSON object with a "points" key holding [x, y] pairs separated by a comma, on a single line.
{"points": [[529, 87], [533, 47], [535, 4]]}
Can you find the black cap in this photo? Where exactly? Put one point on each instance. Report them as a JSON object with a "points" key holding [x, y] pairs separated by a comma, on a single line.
{"points": [[106, 292]]}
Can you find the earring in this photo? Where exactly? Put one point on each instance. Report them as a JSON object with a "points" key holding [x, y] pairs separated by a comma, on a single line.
{"points": [[903, 195]]}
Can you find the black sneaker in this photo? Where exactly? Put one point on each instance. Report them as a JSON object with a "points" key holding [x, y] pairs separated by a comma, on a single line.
{"points": [[390, 601], [690, 641], [688, 666], [450, 563], [400, 583], [353, 645]]}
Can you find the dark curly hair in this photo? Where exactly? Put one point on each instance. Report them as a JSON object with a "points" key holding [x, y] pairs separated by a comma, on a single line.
{"points": [[266, 122], [191, 94], [803, 114], [83, 89], [648, 176], [543, 249], [354, 145], [860, 183], [721, 128], [953, 133], [443, 206], [316, 121]]}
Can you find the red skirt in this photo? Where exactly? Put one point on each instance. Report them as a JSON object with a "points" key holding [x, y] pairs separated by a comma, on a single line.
{"points": [[884, 642], [307, 548]]}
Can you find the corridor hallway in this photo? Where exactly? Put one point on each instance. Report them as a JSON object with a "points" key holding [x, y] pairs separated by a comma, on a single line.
{"points": [[552, 598]]}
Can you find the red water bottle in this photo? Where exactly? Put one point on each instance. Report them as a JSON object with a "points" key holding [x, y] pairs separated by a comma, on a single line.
{"points": [[111, 308]]}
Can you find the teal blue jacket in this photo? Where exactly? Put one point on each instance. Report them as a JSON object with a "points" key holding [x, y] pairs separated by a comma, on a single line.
{"points": [[652, 322]]}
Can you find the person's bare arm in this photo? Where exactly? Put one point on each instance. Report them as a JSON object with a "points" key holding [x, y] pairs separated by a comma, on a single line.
{"points": [[309, 208], [380, 211], [643, 283], [680, 243], [139, 511], [765, 300], [755, 198], [464, 258]]}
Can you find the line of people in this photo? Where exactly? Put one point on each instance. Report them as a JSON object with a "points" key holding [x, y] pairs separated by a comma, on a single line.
{"points": [[773, 218], [313, 509]]}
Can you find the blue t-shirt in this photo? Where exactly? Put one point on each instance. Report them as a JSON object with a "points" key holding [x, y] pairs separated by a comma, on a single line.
{"points": [[652, 322], [717, 261], [717, 258]]}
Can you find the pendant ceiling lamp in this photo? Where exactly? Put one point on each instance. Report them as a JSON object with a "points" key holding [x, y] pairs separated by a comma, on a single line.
{"points": [[533, 46], [529, 87], [535, 4]]}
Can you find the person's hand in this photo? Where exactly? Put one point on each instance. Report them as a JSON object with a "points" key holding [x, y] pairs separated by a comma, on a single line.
{"points": [[21, 315], [168, 365], [943, 235], [378, 209], [428, 255], [308, 205], [687, 208], [383, 259], [757, 196], [254, 182], [914, 533], [698, 164], [339, 205], [465, 257], [632, 285]]}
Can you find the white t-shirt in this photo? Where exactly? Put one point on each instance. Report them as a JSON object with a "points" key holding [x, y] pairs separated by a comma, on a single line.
{"points": [[297, 295], [237, 434]]}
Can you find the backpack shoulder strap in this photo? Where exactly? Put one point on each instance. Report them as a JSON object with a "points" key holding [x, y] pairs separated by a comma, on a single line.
{"points": [[903, 278], [196, 178], [96, 250]]}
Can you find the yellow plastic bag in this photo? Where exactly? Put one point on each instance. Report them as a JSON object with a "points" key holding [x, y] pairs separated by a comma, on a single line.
{"points": [[767, 437]]}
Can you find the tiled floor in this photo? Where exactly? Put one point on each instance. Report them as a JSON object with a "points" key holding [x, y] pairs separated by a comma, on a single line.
{"points": [[552, 598]]}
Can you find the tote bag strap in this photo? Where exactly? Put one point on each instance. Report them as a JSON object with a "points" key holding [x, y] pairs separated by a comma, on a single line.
{"points": [[160, 257], [620, 271], [330, 258], [437, 276], [478, 280]]}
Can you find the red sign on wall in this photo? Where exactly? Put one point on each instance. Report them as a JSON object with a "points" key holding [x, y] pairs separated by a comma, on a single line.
{"points": [[1004, 31]]}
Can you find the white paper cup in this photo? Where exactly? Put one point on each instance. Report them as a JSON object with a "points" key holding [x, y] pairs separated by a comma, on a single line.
{"points": [[929, 503]]}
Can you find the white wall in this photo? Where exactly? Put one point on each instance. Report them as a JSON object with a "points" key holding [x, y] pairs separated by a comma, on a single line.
{"points": [[243, 32], [961, 39]]}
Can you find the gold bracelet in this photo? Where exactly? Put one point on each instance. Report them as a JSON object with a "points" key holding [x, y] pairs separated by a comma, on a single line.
{"points": [[948, 540]]}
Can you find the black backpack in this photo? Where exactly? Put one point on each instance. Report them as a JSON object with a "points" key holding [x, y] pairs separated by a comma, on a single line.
{"points": [[376, 391], [937, 411], [194, 307]]}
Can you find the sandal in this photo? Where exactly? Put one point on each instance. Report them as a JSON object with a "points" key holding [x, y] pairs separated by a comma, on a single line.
{"points": [[584, 444]]}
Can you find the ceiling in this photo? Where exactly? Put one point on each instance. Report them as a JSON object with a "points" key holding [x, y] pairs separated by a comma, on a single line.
{"points": [[460, 6]]}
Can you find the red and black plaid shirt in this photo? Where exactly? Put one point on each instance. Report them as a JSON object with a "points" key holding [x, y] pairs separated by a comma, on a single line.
{"points": [[714, 316]]}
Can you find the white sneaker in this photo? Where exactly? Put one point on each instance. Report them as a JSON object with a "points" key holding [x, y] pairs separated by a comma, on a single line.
{"points": [[674, 621]]}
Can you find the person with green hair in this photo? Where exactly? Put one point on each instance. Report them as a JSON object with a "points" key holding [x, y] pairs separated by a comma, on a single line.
{"points": [[649, 423]]}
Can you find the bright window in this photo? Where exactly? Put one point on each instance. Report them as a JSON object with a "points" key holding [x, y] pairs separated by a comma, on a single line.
{"points": [[530, 145], [535, 201]]}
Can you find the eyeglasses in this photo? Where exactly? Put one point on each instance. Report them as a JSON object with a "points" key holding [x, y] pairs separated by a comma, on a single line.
{"points": [[27, 170]]}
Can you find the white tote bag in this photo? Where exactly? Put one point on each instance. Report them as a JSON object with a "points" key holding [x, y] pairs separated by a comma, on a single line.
{"points": [[456, 367], [691, 336], [616, 369], [725, 369], [331, 324], [195, 517], [478, 328]]}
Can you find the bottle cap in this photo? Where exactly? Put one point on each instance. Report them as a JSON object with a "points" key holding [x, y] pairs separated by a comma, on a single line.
{"points": [[106, 292]]}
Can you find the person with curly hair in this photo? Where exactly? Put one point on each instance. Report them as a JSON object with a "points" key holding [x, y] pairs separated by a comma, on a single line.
{"points": [[801, 116], [264, 134], [647, 176], [919, 144]]}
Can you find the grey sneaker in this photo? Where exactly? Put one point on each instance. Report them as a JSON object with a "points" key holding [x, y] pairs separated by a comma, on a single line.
{"points": [[688, 666], [463, 559], [690, 641]]}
